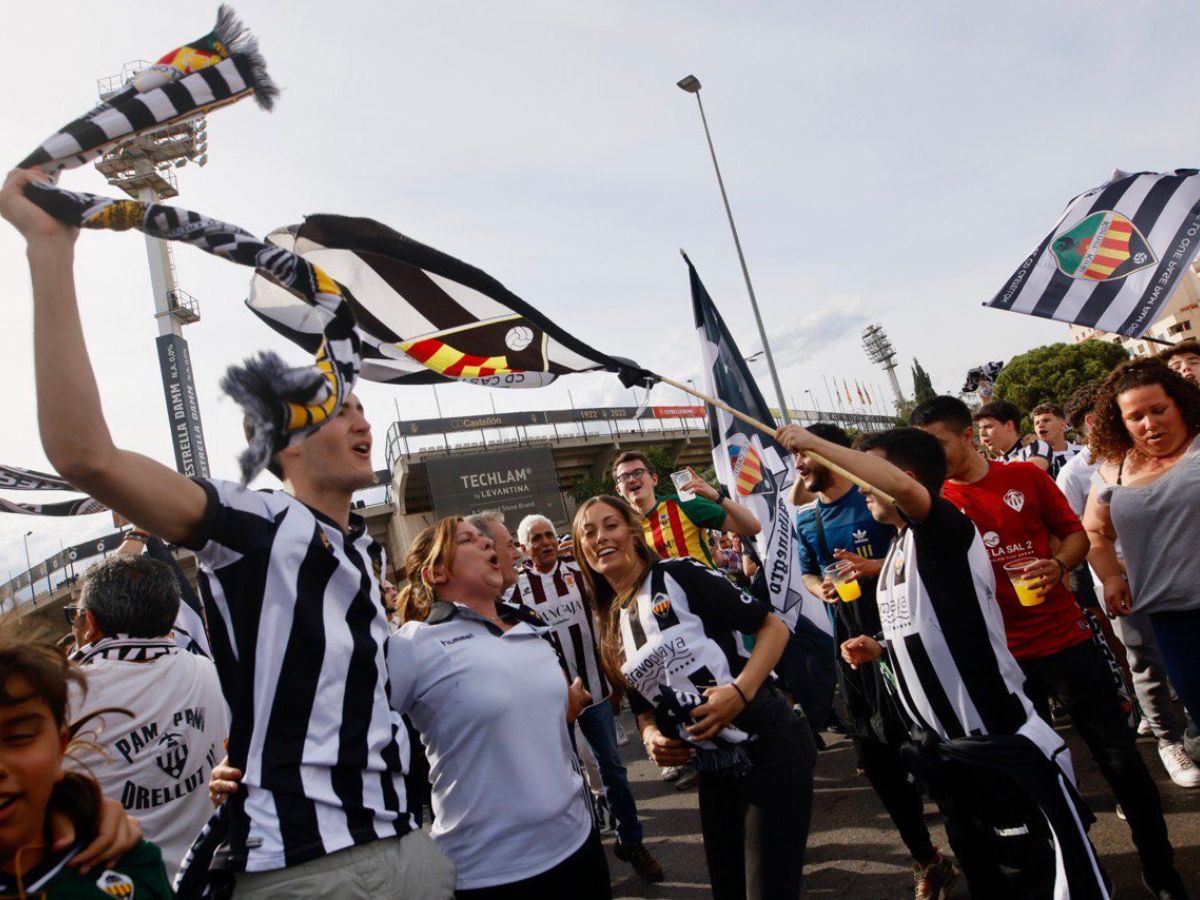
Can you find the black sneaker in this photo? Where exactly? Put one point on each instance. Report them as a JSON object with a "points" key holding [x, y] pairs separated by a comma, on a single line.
{"points": [[647, 867]]}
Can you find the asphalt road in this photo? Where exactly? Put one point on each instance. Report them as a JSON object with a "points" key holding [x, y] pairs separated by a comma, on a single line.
{"points": [[853, 848]]}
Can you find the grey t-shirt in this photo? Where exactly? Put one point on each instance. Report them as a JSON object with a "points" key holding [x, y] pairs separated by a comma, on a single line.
{"points": [[1159, 528]]}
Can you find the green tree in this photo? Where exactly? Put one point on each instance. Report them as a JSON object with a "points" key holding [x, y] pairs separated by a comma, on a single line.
{"points": [[1053, 372], [922, 384]]}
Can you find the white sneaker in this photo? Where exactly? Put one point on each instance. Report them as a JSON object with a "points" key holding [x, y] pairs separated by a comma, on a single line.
{"points": [[1144, 729], [1179, 765], [622, 735], [670, 773]]}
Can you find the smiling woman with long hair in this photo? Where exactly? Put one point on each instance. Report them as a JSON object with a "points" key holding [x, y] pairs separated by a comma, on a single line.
{"points": [[491, 703], [671, 631], [1146, 431]]}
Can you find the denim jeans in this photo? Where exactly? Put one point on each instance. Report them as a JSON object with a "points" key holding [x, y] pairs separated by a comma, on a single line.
{"points": [[600, 731], [807, 671], [1178, 635]]}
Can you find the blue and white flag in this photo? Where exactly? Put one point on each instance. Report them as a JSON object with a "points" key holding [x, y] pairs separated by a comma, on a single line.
{"points": [[755, 470]]}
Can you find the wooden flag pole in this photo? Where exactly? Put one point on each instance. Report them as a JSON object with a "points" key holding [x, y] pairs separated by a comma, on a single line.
{"points": [[766, 429]]}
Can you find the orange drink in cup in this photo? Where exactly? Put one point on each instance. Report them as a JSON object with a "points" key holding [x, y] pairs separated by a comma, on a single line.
{"points": [[1018, 574], [844, 581]]}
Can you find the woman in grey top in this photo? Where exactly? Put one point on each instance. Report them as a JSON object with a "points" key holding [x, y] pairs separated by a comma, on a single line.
{"points": [[1147, 492]]}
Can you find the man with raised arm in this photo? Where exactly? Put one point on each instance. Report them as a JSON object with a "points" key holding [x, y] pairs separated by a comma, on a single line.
{"points": [[1018, 510], [291, 582], [985, 755]]}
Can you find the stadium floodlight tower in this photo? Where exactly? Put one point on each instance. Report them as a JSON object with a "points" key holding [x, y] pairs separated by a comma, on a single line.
{"points": [[880, 350], [143, 167]]}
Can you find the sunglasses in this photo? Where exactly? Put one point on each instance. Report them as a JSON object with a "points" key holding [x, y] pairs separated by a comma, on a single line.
{"points": [[72, 613]]}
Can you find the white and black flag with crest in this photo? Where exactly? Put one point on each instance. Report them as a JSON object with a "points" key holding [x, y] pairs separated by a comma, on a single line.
{"points": [[755, 470], [1115, 255]]}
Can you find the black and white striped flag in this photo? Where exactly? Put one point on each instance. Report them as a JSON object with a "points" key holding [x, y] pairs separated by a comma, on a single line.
{"points": [[423, 316], [1115, 255]]}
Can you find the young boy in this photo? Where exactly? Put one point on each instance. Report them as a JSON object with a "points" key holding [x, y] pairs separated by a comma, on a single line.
{"points": [[33, 786], [1000, 774]]}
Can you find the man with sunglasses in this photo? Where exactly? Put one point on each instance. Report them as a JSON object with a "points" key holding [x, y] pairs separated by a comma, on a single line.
{"points": [[160, 718]]}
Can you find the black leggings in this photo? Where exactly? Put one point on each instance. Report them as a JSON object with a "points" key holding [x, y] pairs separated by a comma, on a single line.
{"points": [[899, 795], [755, 826], [583, 874]]}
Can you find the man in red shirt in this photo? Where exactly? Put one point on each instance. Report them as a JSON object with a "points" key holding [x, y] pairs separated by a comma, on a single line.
{"points": [[1018, 509]]}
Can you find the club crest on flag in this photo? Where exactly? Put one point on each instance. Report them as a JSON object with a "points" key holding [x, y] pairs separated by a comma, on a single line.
{"points": [[746, 467], [1103, 246]]}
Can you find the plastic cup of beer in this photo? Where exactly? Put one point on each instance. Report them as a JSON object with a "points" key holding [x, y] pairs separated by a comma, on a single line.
{"points": [[679, 479], [844, 581], [1018, 574]]}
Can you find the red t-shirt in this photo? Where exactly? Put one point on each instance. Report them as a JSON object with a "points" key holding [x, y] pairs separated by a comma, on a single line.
{"points": [[1016, 508]]}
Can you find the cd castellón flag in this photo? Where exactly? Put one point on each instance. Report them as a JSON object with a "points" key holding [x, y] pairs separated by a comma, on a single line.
{"points": [[424, 317], [757, 471], [1115, 255]]}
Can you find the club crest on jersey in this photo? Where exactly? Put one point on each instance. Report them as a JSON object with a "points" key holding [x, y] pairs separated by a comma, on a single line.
{"points": [[661, 607], [172, 754], [568, 579], [324, 539], [1015, 499], [115, 884]]}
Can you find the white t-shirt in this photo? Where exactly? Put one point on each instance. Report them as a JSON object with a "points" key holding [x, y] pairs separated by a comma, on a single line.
{"points": [[160, 759], [508, 798], [1075, 480]]}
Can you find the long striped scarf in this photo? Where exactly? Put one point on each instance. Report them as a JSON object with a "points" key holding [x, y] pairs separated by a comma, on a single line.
{"points": [[283, 405], [14, 478], [220, 68]]}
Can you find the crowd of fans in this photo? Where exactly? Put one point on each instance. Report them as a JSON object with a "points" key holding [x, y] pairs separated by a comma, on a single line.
{"points": [[460, 736]]}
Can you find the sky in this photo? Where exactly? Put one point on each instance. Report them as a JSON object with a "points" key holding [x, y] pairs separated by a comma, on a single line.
{"points": [[888, 163]]}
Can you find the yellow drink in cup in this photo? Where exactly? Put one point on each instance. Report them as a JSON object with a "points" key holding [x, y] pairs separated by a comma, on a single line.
{"points": [[1018, 574], [844, 582]]}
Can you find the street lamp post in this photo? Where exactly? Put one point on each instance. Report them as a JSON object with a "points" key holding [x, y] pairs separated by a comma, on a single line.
{"points": [[816, 402], [28, 569], [691, 84]]}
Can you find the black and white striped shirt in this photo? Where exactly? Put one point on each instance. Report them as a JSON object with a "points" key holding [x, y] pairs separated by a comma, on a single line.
{"points": [[682, 630], [560, 601], [298, 632], [945, 635]]}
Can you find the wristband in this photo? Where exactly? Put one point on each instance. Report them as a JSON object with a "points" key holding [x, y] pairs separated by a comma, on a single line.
{"points": [[1062, 565], [722, 493], [740, 694]]}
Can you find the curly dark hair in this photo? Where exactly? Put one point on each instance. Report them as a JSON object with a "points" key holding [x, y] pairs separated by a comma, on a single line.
{"points": [[1109, 439]]}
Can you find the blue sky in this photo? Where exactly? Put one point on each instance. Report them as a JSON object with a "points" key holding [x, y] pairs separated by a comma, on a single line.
{"points": [[886, 162]]}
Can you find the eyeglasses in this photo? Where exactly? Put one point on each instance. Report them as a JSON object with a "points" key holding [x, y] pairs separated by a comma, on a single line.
{"points": [[72, 613], [636, 474]]}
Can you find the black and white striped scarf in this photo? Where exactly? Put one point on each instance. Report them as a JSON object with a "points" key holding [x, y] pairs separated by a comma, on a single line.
{"points": [[125, 648], [14, 478], [284, 405], [220, 68]]}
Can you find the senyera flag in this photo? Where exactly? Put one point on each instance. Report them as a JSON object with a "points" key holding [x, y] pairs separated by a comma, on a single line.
{"points": [[424, 317], [1114, 257], [756, 471], [220, 68]]}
